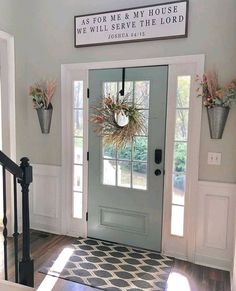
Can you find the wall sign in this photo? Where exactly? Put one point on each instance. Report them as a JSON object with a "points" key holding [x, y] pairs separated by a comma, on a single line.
{"points": [[162, 21]]}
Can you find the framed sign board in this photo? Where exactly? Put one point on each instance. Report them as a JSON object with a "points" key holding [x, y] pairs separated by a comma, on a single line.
{"points": [[162, 21]]}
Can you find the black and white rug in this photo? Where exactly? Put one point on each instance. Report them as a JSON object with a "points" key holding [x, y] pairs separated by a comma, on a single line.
{"points": [[112, 267]]}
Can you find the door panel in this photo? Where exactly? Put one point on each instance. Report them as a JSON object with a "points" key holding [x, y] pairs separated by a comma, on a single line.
{"points": [[125, 194]]}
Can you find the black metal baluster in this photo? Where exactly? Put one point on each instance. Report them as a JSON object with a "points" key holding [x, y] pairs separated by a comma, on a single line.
{"points": [[5, 221], [16, 234]]}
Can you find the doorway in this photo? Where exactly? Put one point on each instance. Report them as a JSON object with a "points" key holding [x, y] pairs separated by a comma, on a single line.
{"points": [[125, 193], [179, 241]]}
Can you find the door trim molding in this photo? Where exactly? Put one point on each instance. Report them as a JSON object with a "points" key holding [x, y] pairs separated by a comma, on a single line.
{"points": [[184, 246], [68, 72], [7, 62], [188, 59], [8, 116]]}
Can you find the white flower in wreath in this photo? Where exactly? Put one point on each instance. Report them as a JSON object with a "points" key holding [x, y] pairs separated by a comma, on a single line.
{"points": [[121, 118]]}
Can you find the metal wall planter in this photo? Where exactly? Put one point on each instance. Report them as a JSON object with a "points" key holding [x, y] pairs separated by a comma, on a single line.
{"points": [[45, 117], [217, 117]]}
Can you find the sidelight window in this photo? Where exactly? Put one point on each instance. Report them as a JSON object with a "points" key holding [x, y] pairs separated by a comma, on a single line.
{"points": [[180, 155], [78, 149]]}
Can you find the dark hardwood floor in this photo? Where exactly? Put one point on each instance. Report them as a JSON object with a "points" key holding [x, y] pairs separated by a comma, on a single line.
{"points": [[184, 276]]}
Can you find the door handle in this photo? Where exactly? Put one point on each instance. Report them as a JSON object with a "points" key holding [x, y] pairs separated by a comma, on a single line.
{"points": [[157, 172], [158, 156]]}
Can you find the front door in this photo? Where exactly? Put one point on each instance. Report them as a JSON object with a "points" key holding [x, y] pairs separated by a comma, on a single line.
{"points": [[125, 191]]}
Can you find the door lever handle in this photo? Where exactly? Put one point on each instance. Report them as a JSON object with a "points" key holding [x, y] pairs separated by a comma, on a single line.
{"points": [[158, 156]]}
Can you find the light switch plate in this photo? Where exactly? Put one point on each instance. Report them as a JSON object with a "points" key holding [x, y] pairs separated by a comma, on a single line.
{"points": [[214, 159]]}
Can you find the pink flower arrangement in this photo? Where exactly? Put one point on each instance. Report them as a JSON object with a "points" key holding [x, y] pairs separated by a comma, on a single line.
{"points": [[42, 93], [214, 95]]}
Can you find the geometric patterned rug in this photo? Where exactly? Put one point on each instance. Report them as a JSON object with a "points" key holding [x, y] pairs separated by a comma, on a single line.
{"points": [[112, 267]]}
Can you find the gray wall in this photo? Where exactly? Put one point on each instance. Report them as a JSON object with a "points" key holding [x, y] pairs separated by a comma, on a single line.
{"points": [[45, 41], [13, 20]]}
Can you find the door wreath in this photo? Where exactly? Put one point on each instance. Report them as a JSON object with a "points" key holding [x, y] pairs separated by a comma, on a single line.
{"points": [[118, 121]]}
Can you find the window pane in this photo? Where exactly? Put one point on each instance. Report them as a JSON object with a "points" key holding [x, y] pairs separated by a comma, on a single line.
{"points": [[140, 148], [110, 88], [177, 220], [181, 125], [140, 176], [183, 91], [129, 90], [78, 178], [142, 93], [109, 151], [78, 122], [78, 205], [146, 121], [124, 174], [125, 153], [180, 154], [78, 150], [109, 172], [178, 189], [78, 94]]}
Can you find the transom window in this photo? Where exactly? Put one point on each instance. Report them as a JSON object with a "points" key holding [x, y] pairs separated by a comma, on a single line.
{"points": [[127, 167]]}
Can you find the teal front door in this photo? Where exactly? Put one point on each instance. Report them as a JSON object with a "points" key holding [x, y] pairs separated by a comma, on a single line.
{"points": [[125, 191]]}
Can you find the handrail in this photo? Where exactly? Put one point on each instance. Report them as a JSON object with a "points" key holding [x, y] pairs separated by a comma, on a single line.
{"points": [[9, 165]]}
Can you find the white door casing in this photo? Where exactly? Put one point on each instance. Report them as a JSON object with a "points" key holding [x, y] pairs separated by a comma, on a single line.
{"points": [[182, 65], [182, 247], [7, 71]]}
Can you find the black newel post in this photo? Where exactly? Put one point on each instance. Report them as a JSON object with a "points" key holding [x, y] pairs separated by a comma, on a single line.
{"points": [[26, 267]]}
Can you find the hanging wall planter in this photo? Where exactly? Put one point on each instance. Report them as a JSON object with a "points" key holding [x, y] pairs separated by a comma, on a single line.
{"points": [[42, 94], [45, 117], [217, 117], [217, 101]]}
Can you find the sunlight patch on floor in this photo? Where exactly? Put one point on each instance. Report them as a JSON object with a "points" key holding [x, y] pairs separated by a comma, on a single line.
{"points": [[49, 281], [47, 284], [178, 281]]}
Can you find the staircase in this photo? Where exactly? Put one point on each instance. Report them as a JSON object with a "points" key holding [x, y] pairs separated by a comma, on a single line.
{"points": [[24, 269]]}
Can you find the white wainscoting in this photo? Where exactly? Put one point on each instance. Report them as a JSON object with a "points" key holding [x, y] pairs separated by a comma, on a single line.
{"points": [[215, 221], [233, 272], [45, 198], [215, 224]]}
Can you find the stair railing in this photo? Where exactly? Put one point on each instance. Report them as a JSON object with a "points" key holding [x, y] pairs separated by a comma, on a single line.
{"points": [[24, 270]]}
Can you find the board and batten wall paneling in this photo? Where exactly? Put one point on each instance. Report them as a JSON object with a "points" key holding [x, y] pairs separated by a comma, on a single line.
{"points": [[215, 224], [233, 272], [215, 227], [45, 199]]}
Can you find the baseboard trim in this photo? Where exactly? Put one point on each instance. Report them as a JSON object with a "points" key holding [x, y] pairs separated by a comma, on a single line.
{"points": [[46, 230], [72, 234], [203, 260], [175, 255], [213, 262]]}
